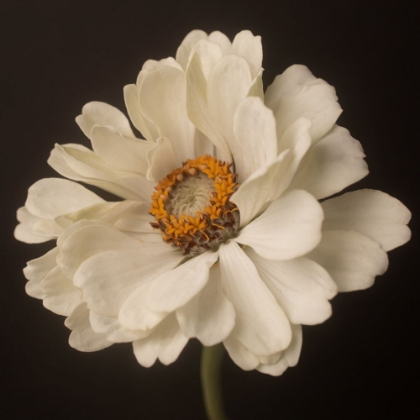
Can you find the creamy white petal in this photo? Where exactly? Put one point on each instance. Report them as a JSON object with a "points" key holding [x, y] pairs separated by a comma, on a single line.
{"points": [[248, 46], [81, 164], [163, 101], [61, 296], [209, 316], [100, 113], [289, 228], [373, 213], [151, 65], [77, 226], [352, 259], [290, 356], [268, 183], [297, 93], [254, 144], [36, 270], [137, 224], [109, 278], [184, 50], [222, 40], [257, 87], [114, 332], [261, 325], [82, 337], [197, 107], [125, 154], [23, 231], [161, 160], [301, 287], [136, 220], [51, 197], [228, 84], [175, 288], [270, 359], [331, 165], [134, 313], [203, 146], [146, 127], [46, 228], [243, 357], [110, 212], [90, 240], [165, 344], [209, 52]]}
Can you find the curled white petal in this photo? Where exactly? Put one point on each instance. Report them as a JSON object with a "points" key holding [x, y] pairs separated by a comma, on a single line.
{"points": [[261, 325], [289, 228], [375, 214], [352, 259]]}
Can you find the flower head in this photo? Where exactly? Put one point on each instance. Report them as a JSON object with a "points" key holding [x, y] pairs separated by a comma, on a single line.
{"points": [[219, 234]]}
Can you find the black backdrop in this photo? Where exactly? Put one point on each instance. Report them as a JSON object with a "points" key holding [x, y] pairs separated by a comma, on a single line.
{"points": [[58, 55]]}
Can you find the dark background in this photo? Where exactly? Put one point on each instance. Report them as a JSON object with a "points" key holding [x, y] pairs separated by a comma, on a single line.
{"points": [[58, 55]]}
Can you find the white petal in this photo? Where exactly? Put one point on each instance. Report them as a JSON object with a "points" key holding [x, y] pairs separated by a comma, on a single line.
{"points": [[151, 65], [161, 160], [112, 329], [197, 107], [297, 93], [229, 83], [134, 313], [23, 231], [82, 337], [81, 164], [289, 228], [243, 357], [100, 113], [163, 102], [110, 212], [203, 146], [209, 52], [222, 40], [257, 87], [165, 343], [352, 259], [184, 50], [175, 288], [261, 325], [268, 183], [120, 152], [209, 316], [61, 296], [91, 240], [108, 279], [248, 46], [290, 356], [46, 228], [36, 270], [146, 128], [301, 287], [331, 165], [255, 142], [373, 213], [51, 197]]}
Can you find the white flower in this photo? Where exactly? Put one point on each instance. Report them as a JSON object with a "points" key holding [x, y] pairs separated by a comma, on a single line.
{"points": [[220, 234]]}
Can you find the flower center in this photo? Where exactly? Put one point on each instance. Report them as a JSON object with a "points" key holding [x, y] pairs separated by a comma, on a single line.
{"points": [[192, 208]]}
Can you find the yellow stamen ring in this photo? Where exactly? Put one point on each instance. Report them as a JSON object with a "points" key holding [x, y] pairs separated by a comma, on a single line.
{"points": [[207, 228]]}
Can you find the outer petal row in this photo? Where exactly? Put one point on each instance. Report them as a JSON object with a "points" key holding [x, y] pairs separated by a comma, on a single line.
{"points": [[289, 228]]}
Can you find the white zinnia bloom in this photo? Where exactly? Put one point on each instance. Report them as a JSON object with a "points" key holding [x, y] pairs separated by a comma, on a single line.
{"points": [[220, 235]]}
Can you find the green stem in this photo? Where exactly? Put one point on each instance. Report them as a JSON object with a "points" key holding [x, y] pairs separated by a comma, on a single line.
{"points": [[211, 359]]}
